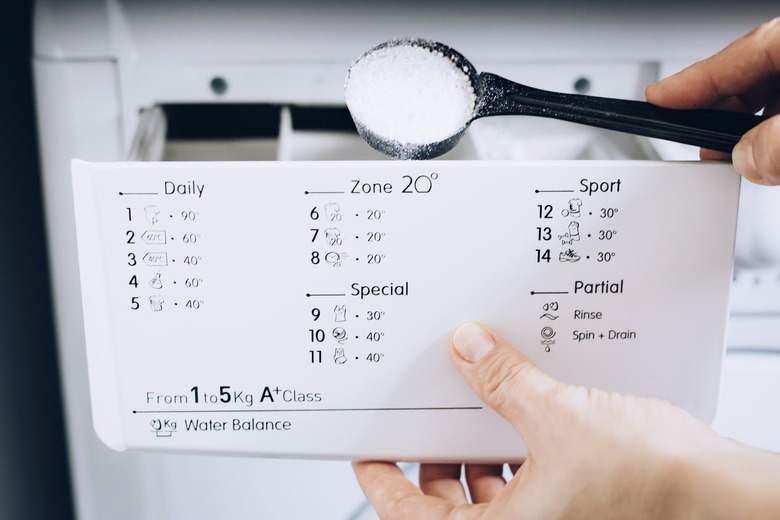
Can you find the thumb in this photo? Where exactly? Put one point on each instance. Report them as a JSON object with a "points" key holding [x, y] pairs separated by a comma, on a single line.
{"points": [[506, 380], [757, 155]]}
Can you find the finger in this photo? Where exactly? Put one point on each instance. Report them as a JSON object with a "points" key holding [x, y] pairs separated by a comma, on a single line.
{"points": [[443, 481], [505, 379], [757, 155], [772, 106], [383, 483], [751, 100], [393, 495], [736, 69], [485, 481], [713, 155]]}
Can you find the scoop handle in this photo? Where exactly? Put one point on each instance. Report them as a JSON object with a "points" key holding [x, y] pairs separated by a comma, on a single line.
{"points": [[712, 129]]}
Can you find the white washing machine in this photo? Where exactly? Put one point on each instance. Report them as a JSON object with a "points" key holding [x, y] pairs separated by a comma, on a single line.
{"points": [[261, 81]]}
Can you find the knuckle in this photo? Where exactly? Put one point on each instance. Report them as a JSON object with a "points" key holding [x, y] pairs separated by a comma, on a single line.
{"points": [[402, 508], [771, 27], [768, 37], [767, 30], [505, 381]]}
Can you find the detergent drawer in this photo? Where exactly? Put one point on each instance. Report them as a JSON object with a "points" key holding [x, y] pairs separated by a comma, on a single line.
{"points": [[304, 308]]}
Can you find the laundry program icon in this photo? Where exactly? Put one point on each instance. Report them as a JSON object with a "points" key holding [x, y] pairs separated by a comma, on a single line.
{"points": [[154, 236], [156, 259], [340, 334], [333, 237], [156, 282], [573, 235], [570, 255], [335, 259], [152, 214], [332, 212], [339, 357], [156, 302], [549, 308], [548, 333], [340, 313], [573, 209]]}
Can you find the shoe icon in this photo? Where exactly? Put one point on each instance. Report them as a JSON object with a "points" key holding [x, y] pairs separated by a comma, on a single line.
{"points": [[570, 255]]}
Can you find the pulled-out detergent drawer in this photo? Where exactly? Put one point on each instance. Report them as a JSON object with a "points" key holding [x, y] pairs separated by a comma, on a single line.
{"points": [[305, 308]]}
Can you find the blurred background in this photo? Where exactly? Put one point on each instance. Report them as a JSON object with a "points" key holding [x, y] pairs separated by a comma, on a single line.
{"points": [[33, 463], [34, 472]]}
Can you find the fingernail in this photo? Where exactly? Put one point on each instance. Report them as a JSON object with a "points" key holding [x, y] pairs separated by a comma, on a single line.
{"points": [[742, 157], [472, 342]]}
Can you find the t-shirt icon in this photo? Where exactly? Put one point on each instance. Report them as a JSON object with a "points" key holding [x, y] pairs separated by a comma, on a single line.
{"points": [[156, 302]]}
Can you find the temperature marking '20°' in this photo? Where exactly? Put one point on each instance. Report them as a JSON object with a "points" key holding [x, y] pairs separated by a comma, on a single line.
{"points": [[419, 184]]}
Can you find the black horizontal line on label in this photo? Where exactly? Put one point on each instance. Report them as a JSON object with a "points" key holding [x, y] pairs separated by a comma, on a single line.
{"points": [[549, 292], [553, 191], [324, 192], [286, 410], [136, 193], [308, 295]]}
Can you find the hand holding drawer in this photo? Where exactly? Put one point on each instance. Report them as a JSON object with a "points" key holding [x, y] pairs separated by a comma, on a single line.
{"points": [[744, 77]]}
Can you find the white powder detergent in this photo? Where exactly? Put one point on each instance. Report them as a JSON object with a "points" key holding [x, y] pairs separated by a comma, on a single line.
{"points": [[409, 94]]}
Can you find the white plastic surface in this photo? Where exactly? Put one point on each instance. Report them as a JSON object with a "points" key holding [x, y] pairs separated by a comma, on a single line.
{"points": [[758, 235], [304, 309], [748, 408]]}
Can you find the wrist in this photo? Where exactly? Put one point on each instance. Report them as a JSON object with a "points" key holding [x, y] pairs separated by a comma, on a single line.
{"points": [[721, 478]]}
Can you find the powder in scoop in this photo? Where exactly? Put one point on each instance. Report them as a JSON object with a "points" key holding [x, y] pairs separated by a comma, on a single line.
{"points": [[409, 94]]}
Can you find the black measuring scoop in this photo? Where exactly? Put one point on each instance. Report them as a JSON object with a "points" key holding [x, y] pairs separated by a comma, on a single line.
{"points": [[497, 96]]}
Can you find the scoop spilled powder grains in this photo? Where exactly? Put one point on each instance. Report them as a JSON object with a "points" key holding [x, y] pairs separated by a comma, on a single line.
{"points": [[409, 94]]}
